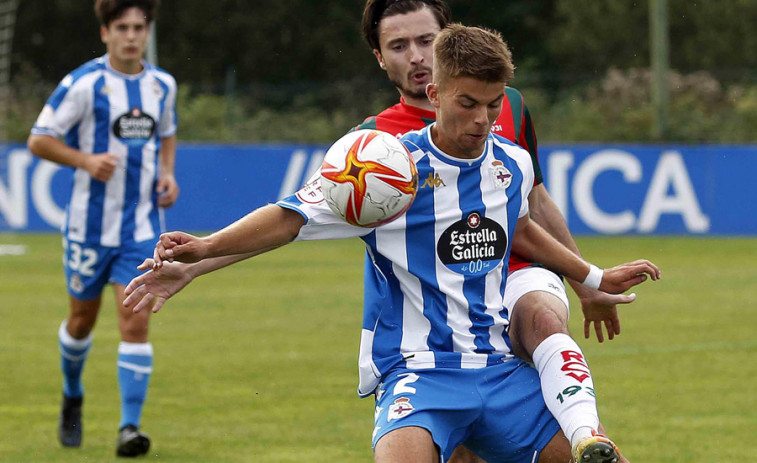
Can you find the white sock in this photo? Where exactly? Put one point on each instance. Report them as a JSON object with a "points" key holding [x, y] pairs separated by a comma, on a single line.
{"points": [[567, 385]]}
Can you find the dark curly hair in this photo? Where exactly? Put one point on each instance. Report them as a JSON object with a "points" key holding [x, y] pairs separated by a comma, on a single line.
{"points": [[109, 10], [376, 10]]}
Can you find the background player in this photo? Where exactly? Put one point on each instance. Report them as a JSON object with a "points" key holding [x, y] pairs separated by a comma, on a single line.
{"points": [[400, 34], [117, 114], [427, 326]]}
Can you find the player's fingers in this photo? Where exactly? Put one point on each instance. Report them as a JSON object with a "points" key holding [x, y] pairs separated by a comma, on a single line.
{"points": [[157, 261], [168, 240], [646, 267], [129, 295], [144, 302], [135, 299], [587, 329], [610, 329], [159, 301], [598, 331], [624, 298], [146, 264]]}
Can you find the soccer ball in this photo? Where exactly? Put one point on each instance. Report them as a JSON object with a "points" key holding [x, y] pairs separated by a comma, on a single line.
{"points": [[368, 178]]}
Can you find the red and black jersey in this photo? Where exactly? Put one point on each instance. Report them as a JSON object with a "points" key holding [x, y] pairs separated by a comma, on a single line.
{"points": [[513, 123]]}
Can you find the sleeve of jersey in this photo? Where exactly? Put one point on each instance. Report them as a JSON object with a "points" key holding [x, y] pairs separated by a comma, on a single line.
{"points": [[528, 141], [527, 169], [320, 222], [63, 110], [169, 119]]}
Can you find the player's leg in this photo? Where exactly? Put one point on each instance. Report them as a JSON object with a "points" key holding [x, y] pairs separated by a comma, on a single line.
{"points": [[135, 360], [135, 353], [539, 333], [422, 415], [463, 454], [597, 451], [74, 341], [86, 273], [410, 444]]}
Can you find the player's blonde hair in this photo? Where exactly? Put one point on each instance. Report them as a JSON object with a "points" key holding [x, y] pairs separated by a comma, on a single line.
{"points": [[463, 51]]}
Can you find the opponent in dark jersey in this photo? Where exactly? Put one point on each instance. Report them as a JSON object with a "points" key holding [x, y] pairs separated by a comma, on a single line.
{"points": [[400, 34]]}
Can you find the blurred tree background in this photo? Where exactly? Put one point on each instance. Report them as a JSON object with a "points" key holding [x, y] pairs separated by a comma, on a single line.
{"points": [[299, 71]]}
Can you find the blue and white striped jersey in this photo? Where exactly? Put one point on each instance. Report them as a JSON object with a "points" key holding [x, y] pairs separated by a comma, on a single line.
{"points": [[435, 277], [100, 110]]}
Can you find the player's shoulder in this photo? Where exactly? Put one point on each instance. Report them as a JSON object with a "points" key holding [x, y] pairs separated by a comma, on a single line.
{"points": [[417, 137], [513, 93], [161, 74], [416, 141], [91, 69], [504, 146], [368, 123]]}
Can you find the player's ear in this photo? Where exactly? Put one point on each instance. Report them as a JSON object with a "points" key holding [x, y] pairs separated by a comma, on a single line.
{"points": [[104, 34], [379, 58], [432, 92]]}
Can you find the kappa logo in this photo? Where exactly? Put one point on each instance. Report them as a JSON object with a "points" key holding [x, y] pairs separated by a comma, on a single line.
{"points": [[433, 181], [400, 409]]}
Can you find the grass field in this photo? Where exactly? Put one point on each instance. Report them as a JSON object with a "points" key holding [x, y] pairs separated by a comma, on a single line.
{"points": [[258, 362]]}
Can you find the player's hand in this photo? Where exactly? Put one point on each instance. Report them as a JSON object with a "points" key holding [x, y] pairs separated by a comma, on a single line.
{"points": [[154, 287], [599, 309], [619, 279], [101, 166], [168, 190], [178, 246]]}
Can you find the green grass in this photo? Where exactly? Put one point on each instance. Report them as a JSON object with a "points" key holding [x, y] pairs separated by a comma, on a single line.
{"points": [[258, 362]]}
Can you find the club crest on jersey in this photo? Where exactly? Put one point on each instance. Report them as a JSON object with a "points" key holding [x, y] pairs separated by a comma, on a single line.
{"points": [[310, 193], [400, 409], [157, 89], [473, 245], [501, 176], [134, 128]]}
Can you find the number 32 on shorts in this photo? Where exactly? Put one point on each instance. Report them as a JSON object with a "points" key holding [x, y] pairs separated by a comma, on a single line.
{"points": [[81, 260]]}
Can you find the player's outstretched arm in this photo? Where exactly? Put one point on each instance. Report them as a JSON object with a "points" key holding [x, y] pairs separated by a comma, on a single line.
{"points": [[263, 229], [160, 284], [532, 242]]}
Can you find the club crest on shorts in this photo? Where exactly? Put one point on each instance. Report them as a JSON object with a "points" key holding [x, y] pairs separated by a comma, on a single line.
{"points": [[75, 283], [400, 409], [501, 176]]}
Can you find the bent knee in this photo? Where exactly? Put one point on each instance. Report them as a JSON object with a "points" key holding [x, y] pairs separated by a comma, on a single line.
{"points": [[536, 316]]}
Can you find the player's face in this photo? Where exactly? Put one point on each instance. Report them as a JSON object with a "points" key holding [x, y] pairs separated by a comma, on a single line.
{"points": [[126, 39], [406, 52], [466, 108]]}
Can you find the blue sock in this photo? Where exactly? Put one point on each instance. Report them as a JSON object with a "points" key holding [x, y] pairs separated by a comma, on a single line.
{"points": [[134, 368], [73, 354]]}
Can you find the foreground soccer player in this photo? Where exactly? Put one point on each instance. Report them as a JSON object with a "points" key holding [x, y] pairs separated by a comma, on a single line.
{"points": [[117, 114], [400, 33], [432, 330]]}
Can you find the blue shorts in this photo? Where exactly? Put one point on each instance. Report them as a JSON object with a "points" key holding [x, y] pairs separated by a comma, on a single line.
{"points": [[89, 267], [496, 411]]}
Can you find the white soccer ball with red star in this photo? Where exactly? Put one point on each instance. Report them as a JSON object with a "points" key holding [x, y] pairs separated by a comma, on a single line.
{"points": [[368, 178]]}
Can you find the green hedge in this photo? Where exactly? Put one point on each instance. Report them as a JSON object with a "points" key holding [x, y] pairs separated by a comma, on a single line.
{"points": [[614, 109]]}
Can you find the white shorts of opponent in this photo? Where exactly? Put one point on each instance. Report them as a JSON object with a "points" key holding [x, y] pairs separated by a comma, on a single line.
{"points": [[528, 279]]}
